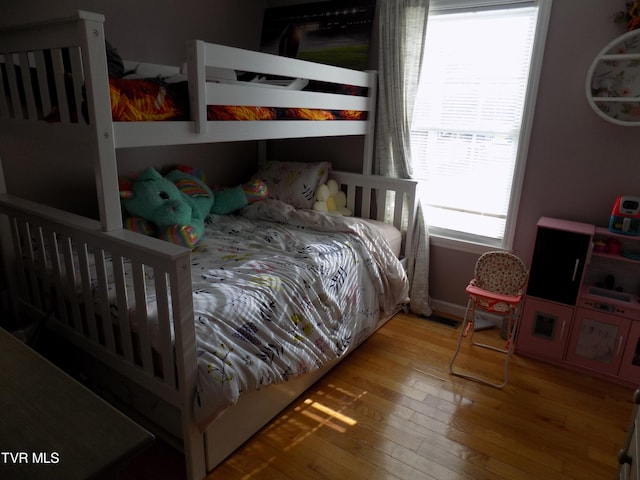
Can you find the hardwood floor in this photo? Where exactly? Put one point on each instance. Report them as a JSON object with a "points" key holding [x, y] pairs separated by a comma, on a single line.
{"points": [[392, 411]]}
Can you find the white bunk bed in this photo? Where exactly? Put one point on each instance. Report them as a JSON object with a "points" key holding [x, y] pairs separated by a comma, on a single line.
{"points": [[53, 253]]}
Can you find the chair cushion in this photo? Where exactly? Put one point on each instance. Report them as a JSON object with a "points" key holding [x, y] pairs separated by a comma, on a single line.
{"points": [[501, 272]]}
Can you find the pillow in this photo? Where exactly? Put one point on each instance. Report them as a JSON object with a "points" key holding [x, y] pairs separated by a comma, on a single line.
{"points": [[294, 183]]}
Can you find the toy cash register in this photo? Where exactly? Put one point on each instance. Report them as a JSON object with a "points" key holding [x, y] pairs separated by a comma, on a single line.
{"points": [[625, 216]]}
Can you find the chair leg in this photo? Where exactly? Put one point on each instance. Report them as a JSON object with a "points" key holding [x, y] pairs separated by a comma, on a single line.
{"points": [[463, 333], [469, 324], [513, 327], [508, 350]]}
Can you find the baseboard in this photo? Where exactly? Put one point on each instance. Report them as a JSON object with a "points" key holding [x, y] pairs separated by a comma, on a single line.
{"points": [[448, 308]]}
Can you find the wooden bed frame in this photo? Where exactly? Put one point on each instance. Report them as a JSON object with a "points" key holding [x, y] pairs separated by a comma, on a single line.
{"points": [[57, 262]]}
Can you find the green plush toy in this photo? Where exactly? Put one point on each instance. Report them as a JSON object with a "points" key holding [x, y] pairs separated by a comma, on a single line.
{"points": [[174, 207]]}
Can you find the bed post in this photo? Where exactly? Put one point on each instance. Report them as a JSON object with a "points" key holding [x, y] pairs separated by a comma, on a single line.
{"points": [[369, 139], [196, 76], [97, 85], [187, 366]]}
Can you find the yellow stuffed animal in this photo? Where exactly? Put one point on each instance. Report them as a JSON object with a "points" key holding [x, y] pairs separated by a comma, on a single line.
{"points": [[330, 199]]}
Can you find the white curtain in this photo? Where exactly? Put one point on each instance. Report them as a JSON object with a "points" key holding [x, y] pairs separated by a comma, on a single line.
{"points": [[402, 27]]}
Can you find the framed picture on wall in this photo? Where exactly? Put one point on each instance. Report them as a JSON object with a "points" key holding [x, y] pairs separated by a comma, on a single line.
{"points": [[331, 32]]}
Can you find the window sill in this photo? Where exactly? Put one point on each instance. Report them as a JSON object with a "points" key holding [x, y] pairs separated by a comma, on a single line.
{"points": [[460, 245]]}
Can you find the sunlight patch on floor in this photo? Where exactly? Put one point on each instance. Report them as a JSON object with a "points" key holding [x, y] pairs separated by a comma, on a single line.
{"points": [[332, 413]]}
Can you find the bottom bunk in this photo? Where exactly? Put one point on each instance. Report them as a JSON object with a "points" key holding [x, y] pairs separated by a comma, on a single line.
{"points": [[210, 344]]}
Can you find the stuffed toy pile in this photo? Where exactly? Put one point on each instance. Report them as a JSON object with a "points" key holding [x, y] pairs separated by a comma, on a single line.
{"points": [[174, 207], [330, 199]]}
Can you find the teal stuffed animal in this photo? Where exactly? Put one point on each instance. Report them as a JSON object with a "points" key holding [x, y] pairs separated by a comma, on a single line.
{"points": [[174, 207]]}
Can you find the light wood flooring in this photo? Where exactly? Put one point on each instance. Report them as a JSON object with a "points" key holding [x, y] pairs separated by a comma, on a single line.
{"points": [[392, 411]]}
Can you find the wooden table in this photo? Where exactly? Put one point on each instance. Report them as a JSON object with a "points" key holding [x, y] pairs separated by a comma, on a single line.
{"points": [[52, 427]]}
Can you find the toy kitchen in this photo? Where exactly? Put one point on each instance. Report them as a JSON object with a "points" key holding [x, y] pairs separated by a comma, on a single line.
{"points": [[582, 306]]}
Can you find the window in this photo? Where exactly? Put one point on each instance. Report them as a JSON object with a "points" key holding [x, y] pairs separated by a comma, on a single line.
{"points": [[473, 112]]}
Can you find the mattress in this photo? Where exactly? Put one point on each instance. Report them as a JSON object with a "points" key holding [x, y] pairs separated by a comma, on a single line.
{"points": [[391, 234]]}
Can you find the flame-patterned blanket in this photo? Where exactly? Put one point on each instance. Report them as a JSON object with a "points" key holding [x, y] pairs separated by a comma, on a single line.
{"points": [[279, 292]]}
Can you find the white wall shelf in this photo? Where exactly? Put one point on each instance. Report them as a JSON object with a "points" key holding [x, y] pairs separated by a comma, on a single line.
{"points": [[613, 81]]}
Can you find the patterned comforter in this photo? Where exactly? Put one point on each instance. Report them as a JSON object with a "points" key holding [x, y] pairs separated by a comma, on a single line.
{"points": [[279, 292]]}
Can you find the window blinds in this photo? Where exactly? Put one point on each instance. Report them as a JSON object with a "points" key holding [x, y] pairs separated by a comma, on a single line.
{"points": [[468, 116]]}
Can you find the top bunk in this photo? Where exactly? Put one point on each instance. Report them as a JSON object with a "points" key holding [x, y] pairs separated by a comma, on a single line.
{"points": [[58, 82]]}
